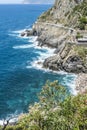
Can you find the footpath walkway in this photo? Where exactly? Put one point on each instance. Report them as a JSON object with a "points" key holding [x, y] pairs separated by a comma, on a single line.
{"points": [[80, 41], [57, 25]]}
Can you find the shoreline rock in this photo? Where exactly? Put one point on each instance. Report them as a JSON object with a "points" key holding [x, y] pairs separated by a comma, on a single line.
{"points": [[28, 33], [66, 60], [81, 83], [66, 56]]}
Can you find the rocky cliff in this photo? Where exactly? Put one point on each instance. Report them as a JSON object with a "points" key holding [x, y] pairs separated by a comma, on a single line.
{"points": [[67, 12], [71, 58], [59, 28]]}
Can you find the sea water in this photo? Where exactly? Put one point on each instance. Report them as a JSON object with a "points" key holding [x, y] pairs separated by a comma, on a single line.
{"points": [[21, 78]]}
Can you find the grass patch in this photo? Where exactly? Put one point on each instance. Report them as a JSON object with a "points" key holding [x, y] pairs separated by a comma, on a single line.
{"points": [[82, 51], [79, 35]]}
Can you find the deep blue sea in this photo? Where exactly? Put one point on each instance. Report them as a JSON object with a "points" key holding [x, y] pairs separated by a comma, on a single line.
{"points": [[20, 76]]}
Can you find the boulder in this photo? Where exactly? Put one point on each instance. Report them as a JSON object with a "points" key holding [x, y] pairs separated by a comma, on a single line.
{"points": [[74, 64], [29, 33], [22, 34], [52, 63]]}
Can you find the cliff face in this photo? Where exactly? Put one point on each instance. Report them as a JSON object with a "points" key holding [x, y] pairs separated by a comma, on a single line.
{"points": [[62, 9], [71, 58], [59, 28], [66, 12]]}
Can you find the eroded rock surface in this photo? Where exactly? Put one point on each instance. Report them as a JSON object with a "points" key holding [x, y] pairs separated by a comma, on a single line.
{"points": [[56, 28], [81, 83], [68, 60]]}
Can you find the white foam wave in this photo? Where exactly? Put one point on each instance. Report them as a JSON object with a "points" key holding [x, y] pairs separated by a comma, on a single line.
{"points": [[23, 46], [12, 118], [20, 31], [12, 34], [69, 80], [12, 121], [17, 33], [28, 26], [38, 63], [48, 52], [66, 81], [33, 39]]}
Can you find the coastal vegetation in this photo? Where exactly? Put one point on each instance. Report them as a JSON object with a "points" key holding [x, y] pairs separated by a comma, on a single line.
{"points": [[81, 51], [56, 110], [81, 10], [79, 35]]}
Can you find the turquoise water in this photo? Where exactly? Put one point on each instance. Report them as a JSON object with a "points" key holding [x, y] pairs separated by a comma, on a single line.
{"points": [[20, 76]]}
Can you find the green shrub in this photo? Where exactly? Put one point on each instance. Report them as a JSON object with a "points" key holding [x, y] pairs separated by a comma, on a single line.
{"points": [[10, 128], [83, 20], [82, 23], [82, 51], [78, 35], [55, 111], [82, 26]]}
